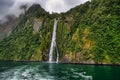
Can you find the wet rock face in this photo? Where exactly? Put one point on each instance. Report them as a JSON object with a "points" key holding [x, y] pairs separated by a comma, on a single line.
{"points": [[37, 26], [76, 58]]}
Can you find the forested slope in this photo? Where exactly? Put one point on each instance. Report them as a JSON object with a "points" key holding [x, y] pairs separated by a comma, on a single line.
{"points": [[89, 33]]}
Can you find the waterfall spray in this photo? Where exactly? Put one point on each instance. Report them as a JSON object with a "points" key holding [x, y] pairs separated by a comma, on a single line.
{"points": [[53, 43]]}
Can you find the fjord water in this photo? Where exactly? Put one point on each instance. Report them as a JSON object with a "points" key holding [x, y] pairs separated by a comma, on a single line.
{"points": [[46, 71]]}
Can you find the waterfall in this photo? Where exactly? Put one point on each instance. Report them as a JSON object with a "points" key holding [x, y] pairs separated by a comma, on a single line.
{"points": [[57, 59], [53, 43]]}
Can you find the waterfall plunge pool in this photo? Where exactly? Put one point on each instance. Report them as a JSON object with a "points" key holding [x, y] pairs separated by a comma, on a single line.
{"points": [[59, 71]]}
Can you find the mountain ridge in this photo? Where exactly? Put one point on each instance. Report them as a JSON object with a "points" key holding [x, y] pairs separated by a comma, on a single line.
{"points": [[88, 33]]}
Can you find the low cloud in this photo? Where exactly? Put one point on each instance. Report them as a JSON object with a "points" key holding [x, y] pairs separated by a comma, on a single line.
{"points": [[61, 5], [12, 7]]}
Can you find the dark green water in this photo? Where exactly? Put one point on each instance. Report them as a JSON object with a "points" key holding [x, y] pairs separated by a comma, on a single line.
{"points": [[46, 71]]}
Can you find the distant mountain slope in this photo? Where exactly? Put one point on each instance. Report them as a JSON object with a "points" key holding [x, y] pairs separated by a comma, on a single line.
{"points": [[25, 43], [89, 33], [8, 27]]}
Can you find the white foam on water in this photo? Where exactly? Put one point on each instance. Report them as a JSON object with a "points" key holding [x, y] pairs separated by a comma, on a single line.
{"points": [[82, 74], [11, 74], [86, 77], [36, 73], [25, 73]]}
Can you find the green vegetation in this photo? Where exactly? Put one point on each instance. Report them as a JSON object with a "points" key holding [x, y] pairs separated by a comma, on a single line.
{"points": [[89, 33], [92, 31], [22, 44]]}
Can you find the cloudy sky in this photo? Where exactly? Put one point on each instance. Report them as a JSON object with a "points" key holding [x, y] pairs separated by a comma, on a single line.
{"points": [[12, 6]]}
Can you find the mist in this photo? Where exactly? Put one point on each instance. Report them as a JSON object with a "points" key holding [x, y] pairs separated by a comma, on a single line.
{"points": [[12, 7]]}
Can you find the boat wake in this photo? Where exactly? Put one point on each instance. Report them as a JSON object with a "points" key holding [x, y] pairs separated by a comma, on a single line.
{"points": [[46, 71], [25, 73]]}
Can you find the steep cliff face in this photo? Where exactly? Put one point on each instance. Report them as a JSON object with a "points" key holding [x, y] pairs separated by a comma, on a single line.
{"points": [[30, 39], [88, 33], [91, 33]]}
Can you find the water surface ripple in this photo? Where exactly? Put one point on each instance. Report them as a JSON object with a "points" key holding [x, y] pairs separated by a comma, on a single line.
{"points": [[46, 71]]}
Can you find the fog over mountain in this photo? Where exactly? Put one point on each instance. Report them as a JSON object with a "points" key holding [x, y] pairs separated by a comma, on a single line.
{"points": [[12, 7]]}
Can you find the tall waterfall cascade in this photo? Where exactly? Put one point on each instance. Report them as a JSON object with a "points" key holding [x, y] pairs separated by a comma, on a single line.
{"points": [[53, 46]]}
